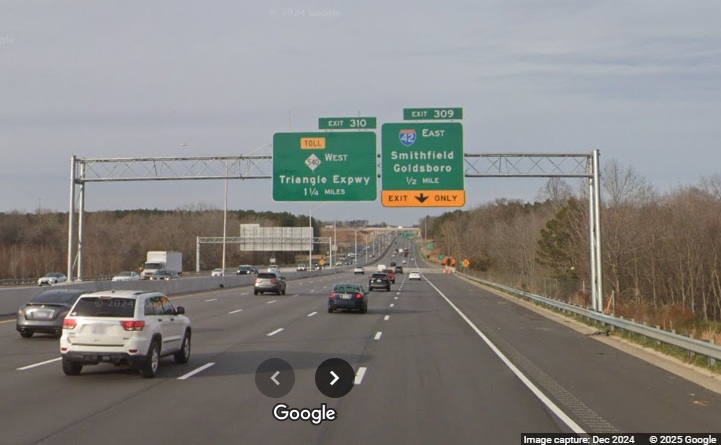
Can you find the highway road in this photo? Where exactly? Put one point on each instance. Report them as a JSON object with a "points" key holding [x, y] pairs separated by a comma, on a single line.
{"points": [[434, 361]]}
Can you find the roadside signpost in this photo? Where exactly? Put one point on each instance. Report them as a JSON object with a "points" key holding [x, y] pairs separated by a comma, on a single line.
{"points": [[325, 166], [423, 161]]}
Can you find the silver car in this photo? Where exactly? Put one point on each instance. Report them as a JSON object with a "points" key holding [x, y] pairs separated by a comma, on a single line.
{"points": [[52, 278], [45, 313], [269, 282]]}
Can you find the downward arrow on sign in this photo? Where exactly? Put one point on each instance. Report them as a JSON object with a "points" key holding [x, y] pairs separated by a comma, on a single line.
{"points": [[421, 198]]}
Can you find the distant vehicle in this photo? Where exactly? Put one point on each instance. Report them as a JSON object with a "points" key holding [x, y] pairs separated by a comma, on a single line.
{"points": [[302, 268], [162, 260], [379, 280], [358, 270], [269, 282], [217, 272], [246, 269], [52, 278], [414, 275], [381, 267], [393, 264], [125, 328], [398, 269], [391, 274], [404, 262], [45, 312], [273, 268], [349, 296], [128, 275], [164, 274]]}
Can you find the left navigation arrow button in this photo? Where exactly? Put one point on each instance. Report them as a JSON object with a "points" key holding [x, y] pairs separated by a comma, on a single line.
{"points": [[274, 378]]}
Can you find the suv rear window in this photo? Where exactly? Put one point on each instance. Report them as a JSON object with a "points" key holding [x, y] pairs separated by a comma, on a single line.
{"points": [[104, 307], [267, 275], [380, 275]]}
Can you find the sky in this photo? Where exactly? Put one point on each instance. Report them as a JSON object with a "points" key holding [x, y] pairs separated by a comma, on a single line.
{"points": [[640, 80]]}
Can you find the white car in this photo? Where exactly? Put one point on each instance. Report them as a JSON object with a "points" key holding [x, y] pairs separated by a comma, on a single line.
{"points": [[218, 272], [274, 269], [126, 328], [415, 275], [359, 270], [52, 278], [127, 276]]}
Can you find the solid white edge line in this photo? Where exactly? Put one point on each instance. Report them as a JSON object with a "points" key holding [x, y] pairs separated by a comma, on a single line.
{"points": [[378, 335], [275, 332], [534, 389], [195, 371], [235, 311], [359, 375], [312, 313], [386, 318], [39, 364]]}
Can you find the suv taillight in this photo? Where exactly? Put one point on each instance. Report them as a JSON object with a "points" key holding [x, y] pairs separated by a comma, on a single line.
{"points": [[133, 325], [69, 323], [274, 280], [359, 296], [333, 295]]}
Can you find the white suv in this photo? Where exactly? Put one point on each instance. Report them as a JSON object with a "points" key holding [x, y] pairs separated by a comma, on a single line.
{"points": [[126, 328]]}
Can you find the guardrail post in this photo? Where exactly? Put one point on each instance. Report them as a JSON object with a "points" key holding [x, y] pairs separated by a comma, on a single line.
{"points": [[711, 360]]}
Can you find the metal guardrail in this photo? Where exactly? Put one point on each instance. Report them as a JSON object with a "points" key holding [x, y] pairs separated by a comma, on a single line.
{"points": [[690, 344]]}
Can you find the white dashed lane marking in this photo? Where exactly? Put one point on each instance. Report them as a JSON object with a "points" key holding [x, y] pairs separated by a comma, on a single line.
{"points": [[39, 364], [359, 375], [275, 332], [378, 335], [235, 311], [195, 371]]}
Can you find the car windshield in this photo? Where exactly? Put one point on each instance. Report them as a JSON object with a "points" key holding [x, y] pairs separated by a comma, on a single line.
{"points": [[104, 307]]}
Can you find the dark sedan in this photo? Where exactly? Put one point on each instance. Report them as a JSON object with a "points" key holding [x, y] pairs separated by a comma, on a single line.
{"points": [[350, 296], [164, 274], [46, 312]]}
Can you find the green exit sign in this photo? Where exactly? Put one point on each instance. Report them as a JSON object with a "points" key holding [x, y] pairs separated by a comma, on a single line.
{"points": [[432, 114], [325, 166], [346, 123]]}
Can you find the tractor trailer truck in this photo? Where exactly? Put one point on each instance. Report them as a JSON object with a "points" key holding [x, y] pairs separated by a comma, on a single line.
{"points": [[157, 260]]}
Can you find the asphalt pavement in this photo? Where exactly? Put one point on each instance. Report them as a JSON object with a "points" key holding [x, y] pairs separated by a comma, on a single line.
{"points": [[433, 361]]}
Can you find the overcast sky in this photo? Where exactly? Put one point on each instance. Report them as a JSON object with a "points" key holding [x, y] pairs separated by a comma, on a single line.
{"points": [[638, 79]]}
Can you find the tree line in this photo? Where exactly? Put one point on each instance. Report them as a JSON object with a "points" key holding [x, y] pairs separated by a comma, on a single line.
{"points": [[661, 251], [36, 243]]}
